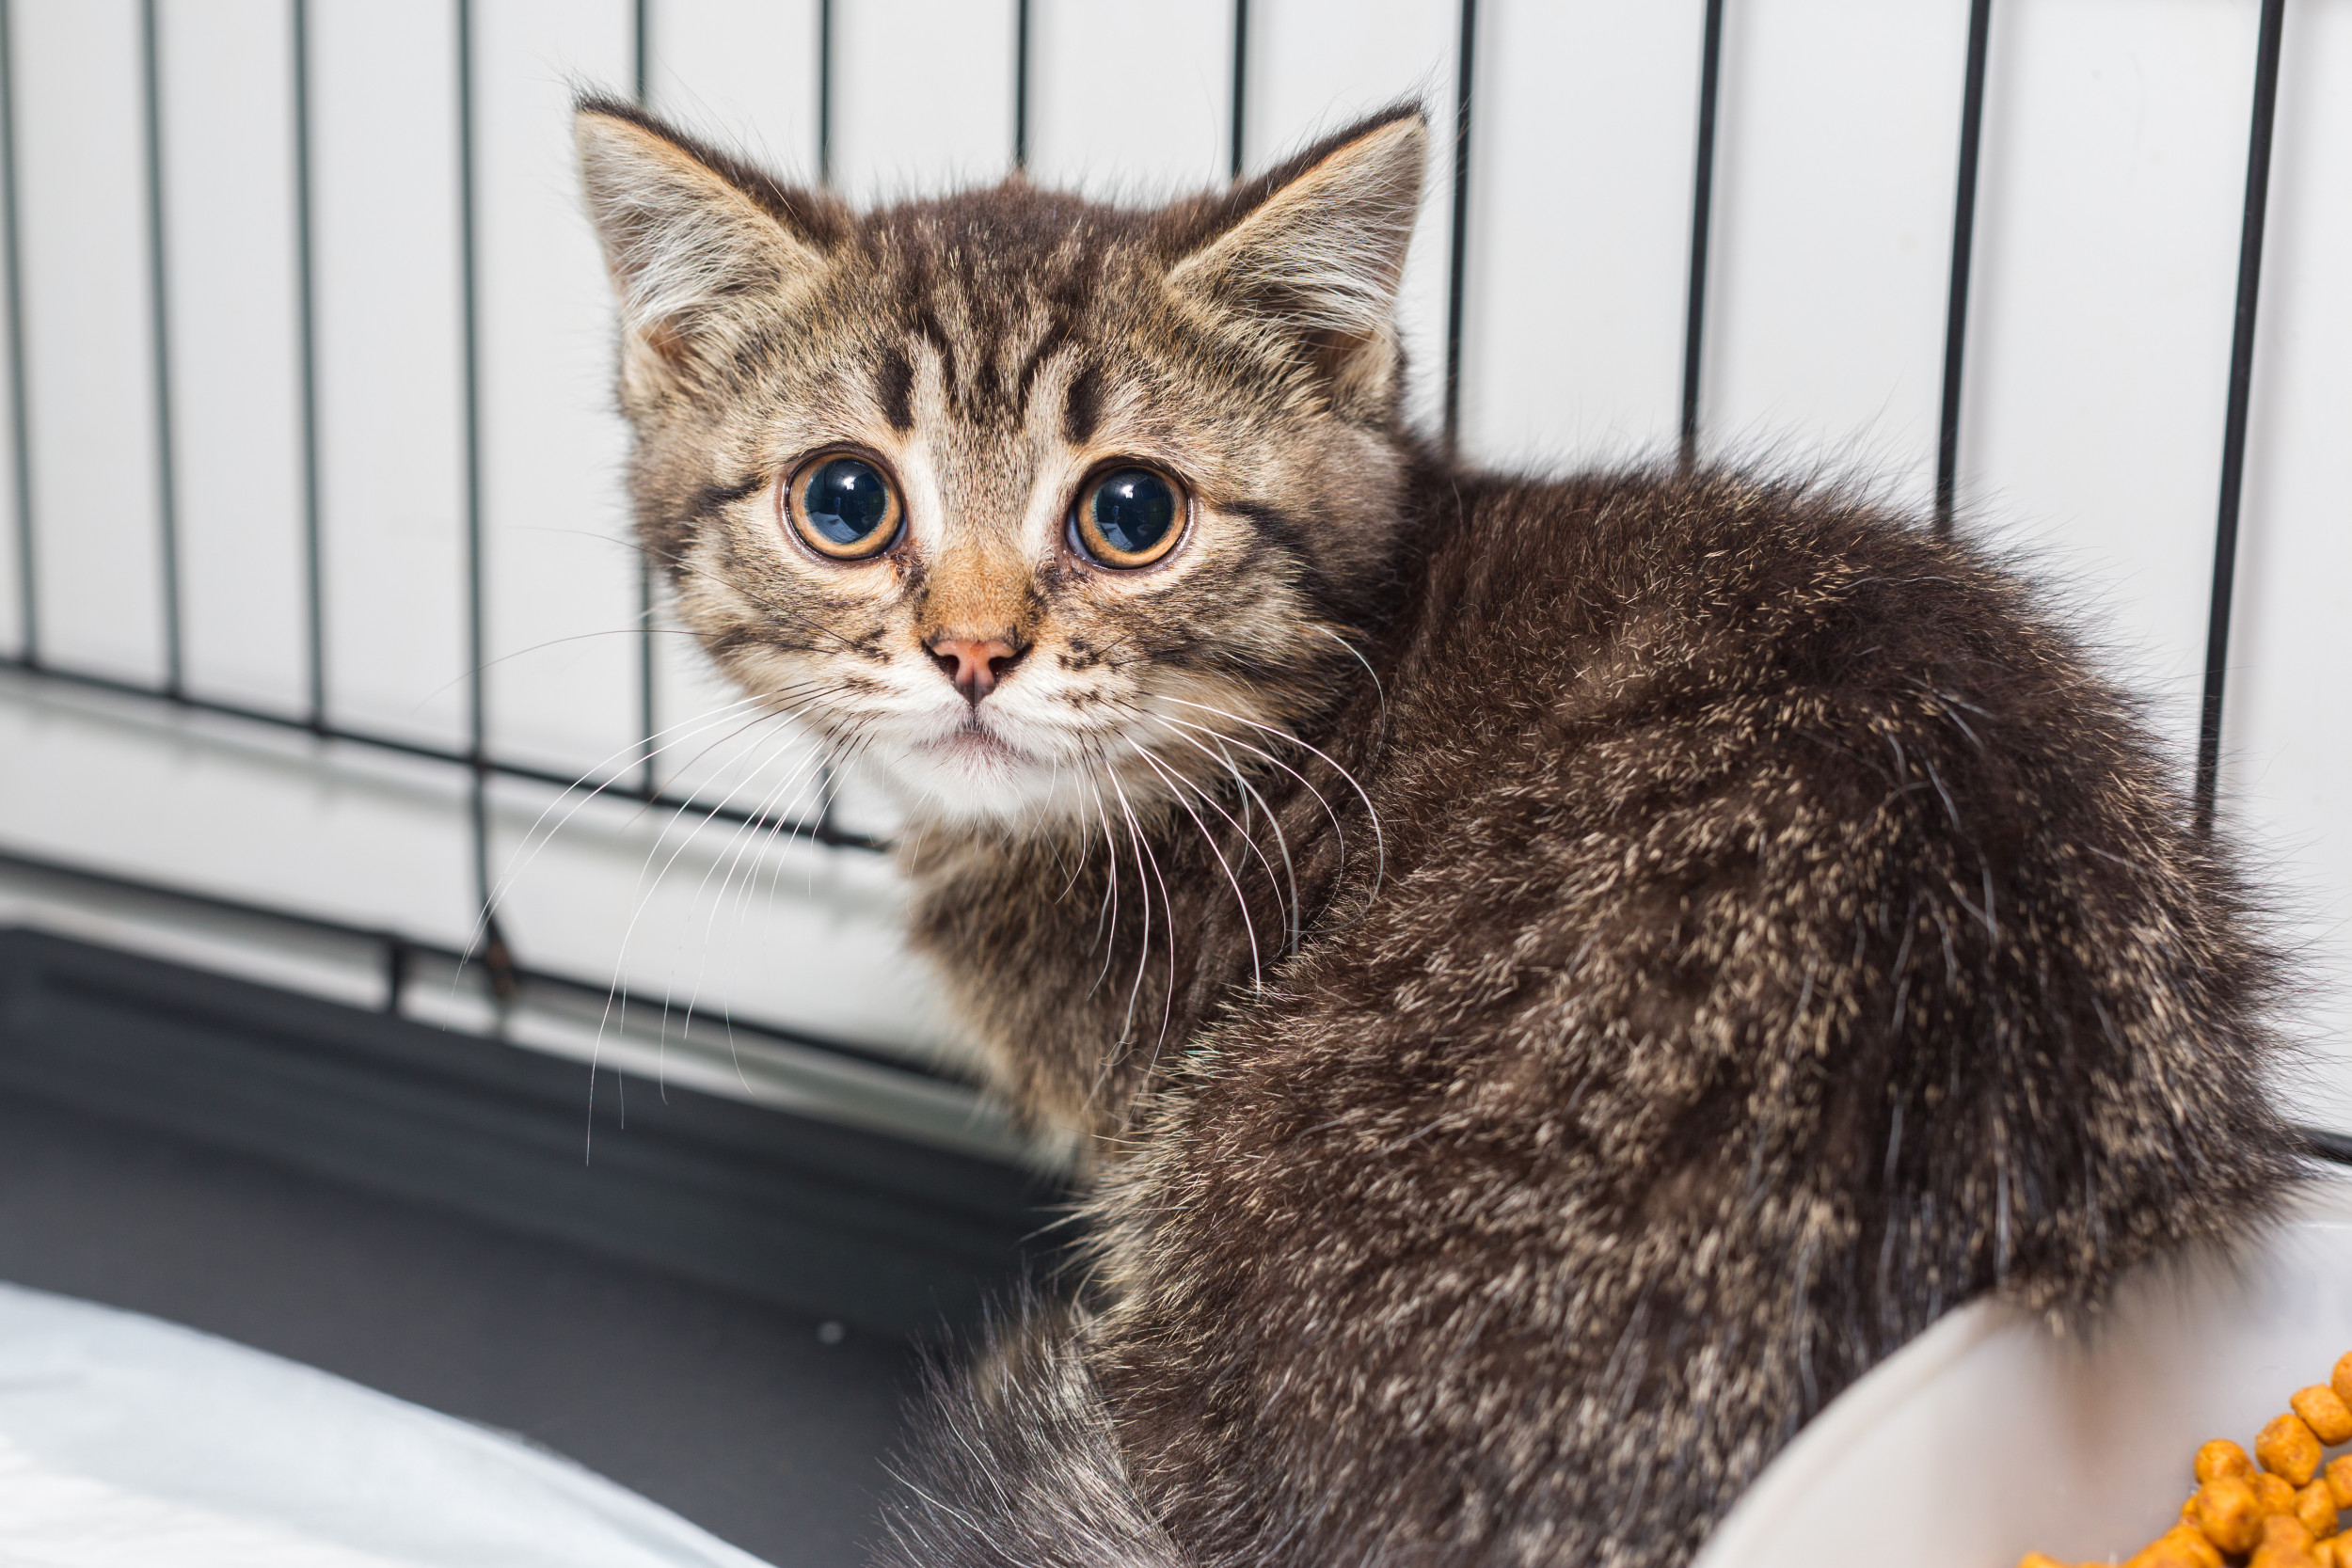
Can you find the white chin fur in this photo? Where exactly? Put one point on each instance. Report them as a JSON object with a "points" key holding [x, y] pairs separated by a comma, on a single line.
{"points": [[961, 781]]}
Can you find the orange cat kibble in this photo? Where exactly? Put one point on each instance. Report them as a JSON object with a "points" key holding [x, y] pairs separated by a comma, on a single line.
{"points": [[2326, 1412], [2285, 1543], [2316, 1507], [2277, 1510], [2183, 1544], [2220, 1458], [2179, 1548], [2228, 1515], [2288, 1450]]}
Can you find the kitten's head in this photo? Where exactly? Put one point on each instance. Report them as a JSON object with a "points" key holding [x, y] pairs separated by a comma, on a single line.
{"points": [[1041, 505]]}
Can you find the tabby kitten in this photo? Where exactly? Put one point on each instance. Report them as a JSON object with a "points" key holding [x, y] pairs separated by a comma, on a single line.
{"points": [[1556, 979]]}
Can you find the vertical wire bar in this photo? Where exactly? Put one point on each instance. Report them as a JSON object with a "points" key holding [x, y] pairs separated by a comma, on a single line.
{"points": [[825, 35], [1241, 82], [646, 781], [19, 415], [306, 336], [470, 329], [159, 331], [2250, 268], [1963, 251], [1465, 73], [1702, 213], [1020, 35], [824, 92]]}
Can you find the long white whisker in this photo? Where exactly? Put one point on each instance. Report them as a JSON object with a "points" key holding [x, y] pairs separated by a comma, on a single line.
{"points": [[1111, 862], [1290, 910], [571, 792], [1143, 847], [1378, 689], [1241, 902], [1338, 832], [1380, 839]]}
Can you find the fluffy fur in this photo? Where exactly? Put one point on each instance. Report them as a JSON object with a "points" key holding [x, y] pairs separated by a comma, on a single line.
{"points": [[1558, 977]]}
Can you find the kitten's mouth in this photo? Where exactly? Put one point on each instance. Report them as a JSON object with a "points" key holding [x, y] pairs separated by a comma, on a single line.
{"points": [[974, 744]]}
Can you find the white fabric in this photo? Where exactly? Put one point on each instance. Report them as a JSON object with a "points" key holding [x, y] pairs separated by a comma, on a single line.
{"points": [[126, 1442]]}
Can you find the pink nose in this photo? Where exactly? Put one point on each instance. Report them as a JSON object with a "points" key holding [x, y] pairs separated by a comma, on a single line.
{"points": [[976, 664]]}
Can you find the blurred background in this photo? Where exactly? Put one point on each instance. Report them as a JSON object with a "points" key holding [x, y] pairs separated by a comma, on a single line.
{"points": [[319, 630]]}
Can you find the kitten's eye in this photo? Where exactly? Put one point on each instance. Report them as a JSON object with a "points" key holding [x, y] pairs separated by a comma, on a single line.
{"points": [[1129, 518], [844, 507]]}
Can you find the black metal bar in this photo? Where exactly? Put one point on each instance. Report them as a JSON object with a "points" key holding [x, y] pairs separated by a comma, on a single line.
{"points": [[622, 998], [2321, 1144], [27, 562], [477, 665], [1020, 35], [306, 328], [159, 330], [1465, 73], [2250, 268], [398, 955], [646, 727], [1702, 213], [1241, 81], [1963, 250], [824, 92], [641, 50], [791, 827]]}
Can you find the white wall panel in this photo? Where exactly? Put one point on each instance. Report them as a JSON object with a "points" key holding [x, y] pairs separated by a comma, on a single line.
{"points": [[741, 71], [2287, 762], [1586, 114], [561, 575], [1315, 65], [1131, 99], [1831, 252], [2115, 140], [922, 96], [226, 76], [81, 176], [2099, 342], [11, 541], [249, 814], [383, 199]]}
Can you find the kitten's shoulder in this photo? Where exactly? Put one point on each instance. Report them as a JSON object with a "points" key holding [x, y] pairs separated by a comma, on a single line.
{"points": [[1718, 579]]}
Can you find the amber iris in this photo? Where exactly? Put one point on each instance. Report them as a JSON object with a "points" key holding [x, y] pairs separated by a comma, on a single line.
{"points": [[1128, 518], [845, 508]]}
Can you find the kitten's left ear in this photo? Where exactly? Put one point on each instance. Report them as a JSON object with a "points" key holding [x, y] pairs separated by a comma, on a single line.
{"points": [[699, 244], [1306, 259]]}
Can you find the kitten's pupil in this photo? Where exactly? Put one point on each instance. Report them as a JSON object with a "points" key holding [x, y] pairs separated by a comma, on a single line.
{"points": [[1134, 509], [847, 501]]}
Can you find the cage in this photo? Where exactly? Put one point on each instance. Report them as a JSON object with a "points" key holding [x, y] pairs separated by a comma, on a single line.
{"points": [[366, 814]]}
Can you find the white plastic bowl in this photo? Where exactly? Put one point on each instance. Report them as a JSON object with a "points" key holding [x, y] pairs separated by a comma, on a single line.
{"points": [[1989, 1435]]}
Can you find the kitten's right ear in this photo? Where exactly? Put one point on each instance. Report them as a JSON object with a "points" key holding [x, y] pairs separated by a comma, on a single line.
{"points": [[1306, 259], [697, 242]]}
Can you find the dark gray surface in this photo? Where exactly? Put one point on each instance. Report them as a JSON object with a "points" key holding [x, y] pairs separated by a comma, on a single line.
{"points": [[729, 1411]]}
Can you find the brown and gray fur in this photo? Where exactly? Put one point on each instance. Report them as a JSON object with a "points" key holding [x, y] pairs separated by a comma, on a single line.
{"points": [[1556, 979]]}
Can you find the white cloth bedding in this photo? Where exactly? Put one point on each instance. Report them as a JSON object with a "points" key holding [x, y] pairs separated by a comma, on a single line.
{"points": [[126, 1442]]}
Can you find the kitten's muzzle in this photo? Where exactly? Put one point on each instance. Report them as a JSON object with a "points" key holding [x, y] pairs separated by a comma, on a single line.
{"points": [[975, 664]]}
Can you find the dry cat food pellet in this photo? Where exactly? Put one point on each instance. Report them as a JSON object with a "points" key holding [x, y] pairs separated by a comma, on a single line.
{"points": [[2220, 1458], [2275, 1509], [2324, 1412], [2288, 1448], [2317, 1509]]}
